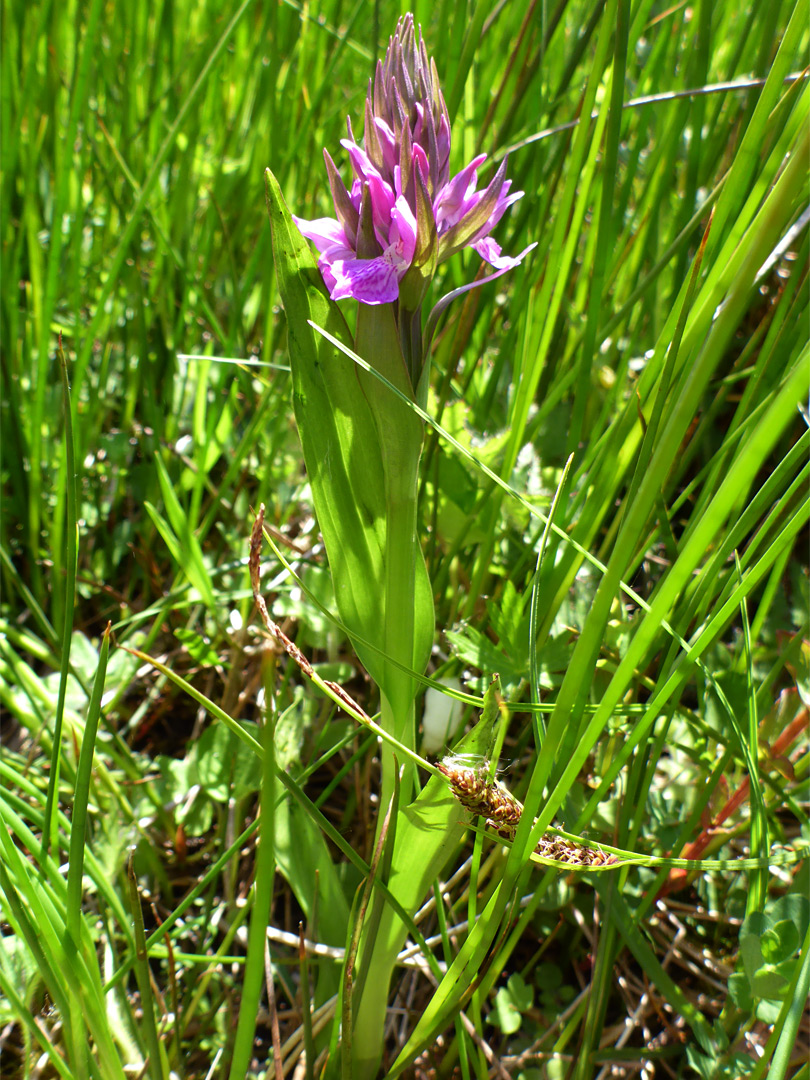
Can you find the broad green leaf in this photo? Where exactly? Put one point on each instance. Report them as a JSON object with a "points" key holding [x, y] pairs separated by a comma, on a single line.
{"points": [[198, 648], [769, 941], [428, 832], [337, 430], [304, 861], [226, 767]]}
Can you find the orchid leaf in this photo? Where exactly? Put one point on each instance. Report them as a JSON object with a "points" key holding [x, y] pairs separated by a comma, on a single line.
{"points": [[400, 433], [434, 823], [428, 833], [337, 430], [304, 861]]}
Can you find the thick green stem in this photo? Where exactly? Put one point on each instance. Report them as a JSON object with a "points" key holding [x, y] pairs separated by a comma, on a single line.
{"points": [[384, 932], [362, 452], [399, 431], [397, 693], [428, 832]]}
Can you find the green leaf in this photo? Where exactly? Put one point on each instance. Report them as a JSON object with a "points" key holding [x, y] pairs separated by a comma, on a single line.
{"points": [[713, 1067], [548, 977], [304, 861], [227, 768], [769, 941], [511, 1001], [410, 621], [786, 933], [337, 430], [474, 648], [521, 993], [739, 989], [428, 833], [198, 648], [290, 727], [506, 1015], [432, 826], [768, 1010], [317, 630]]}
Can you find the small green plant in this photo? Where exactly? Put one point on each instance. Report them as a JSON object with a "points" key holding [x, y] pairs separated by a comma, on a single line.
{"points": [[511, 1001], [770, 942]]}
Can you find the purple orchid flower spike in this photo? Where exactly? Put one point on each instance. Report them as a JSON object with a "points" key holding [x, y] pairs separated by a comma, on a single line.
{"points": [[404, 214]]}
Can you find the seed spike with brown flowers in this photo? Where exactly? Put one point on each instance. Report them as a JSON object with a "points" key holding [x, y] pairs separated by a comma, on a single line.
{"points": [[489, 799]]}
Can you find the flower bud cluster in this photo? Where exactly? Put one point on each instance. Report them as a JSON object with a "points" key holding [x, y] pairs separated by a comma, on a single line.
{"points": [[404, 214]]}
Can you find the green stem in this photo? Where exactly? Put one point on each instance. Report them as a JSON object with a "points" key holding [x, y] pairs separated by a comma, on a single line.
{"points": [[397, 693], [400, 433]]}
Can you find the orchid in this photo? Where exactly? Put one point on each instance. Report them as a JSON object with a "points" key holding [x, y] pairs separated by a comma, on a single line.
{"points": [[404, 214], [360, 389]]}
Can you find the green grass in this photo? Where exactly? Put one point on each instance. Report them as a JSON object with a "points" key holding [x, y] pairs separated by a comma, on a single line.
{"points": [[650, 644]]}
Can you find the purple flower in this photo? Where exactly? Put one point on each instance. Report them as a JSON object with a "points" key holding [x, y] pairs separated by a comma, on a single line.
{"points": [[404, 213]]}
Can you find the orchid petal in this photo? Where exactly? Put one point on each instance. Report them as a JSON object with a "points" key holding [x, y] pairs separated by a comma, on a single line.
{"points": [[382, 202], [362, 164], [491, 252], [345, 210], [476, 221], [385, 137], [421, 159], [404, 214], [450, 202], [325, 233], [501, 206], [403, 230]]}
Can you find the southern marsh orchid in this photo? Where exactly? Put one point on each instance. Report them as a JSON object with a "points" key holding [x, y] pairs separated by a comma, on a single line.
{"points": [[404, 214], [360, 388]]}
